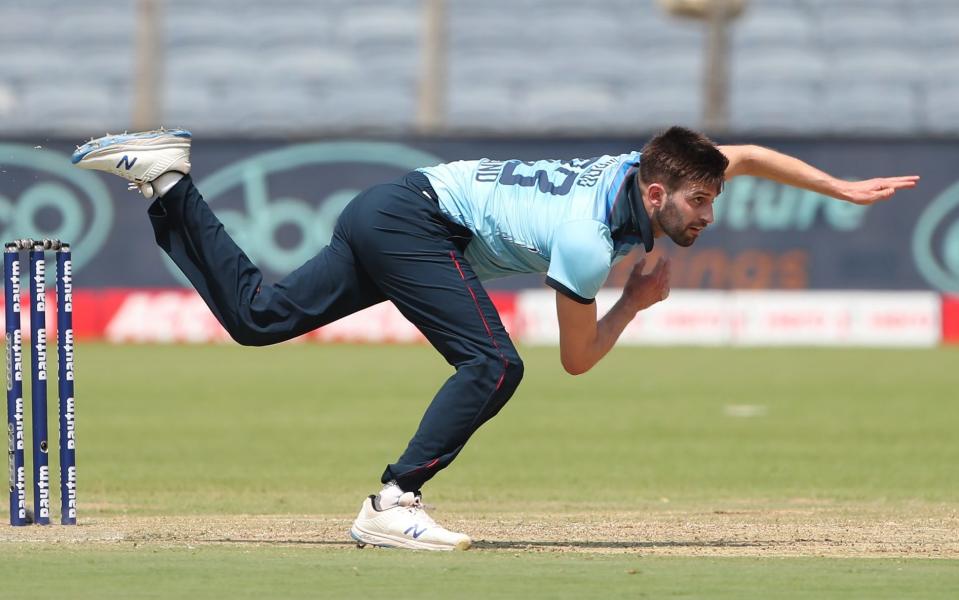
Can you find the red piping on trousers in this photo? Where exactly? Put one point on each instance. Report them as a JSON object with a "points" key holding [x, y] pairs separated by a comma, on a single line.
{"points": [[428, 465], [479, 310]]}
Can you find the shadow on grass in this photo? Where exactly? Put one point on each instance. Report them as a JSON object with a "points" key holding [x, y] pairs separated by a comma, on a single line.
{"points": [[526, 545], [274, 542]]}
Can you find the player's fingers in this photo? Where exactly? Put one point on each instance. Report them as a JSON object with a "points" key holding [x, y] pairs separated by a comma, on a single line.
{"points": [[639, 266], [662, 282], [899, 184], [664, 272], [872, 196], [884, 193], [660, 265]]}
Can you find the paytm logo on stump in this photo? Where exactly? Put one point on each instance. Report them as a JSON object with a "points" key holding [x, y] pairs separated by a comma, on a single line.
{"points": [[280, 206], [42, 196]]}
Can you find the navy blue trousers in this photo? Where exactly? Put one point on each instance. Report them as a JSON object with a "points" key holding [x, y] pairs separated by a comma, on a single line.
{"points": [[390, 243]]}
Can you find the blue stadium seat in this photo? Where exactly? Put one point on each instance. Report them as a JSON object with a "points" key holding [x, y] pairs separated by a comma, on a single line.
{"points": [[933, 10], [875, 66], [872, 108], [647, 108], [33, 63], [614, 65], [783, 26], [307, 27], [188, 23], [498, 66], [104, 65], [77, 108], [214, 63], [938, 31], [750, 67], [385, 25], [282, 110], [844, 27], [25, 23], [941, 92], [828, 7], [561, 107], [192, 106], [389, 107], [652, 28], [477, 30], [670, 69], [941, 108], [78, 27], [777, 107], [249, 109], [304, 64], [484, 107], [586, 27], [940, 68], [379, 63]]}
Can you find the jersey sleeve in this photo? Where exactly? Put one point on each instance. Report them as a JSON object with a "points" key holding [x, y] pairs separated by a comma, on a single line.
{"points": [[580, 259]]}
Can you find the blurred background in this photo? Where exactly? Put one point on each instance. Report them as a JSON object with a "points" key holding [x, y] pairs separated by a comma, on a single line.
{"points": [[296, 105], [311, 67]]}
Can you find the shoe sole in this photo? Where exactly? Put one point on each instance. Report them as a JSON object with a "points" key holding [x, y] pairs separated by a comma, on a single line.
{"points": [[110, 141], [364, 538]]}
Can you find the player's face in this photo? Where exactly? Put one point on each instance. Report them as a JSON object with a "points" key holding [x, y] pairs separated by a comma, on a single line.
{"points": [[686, 212]]}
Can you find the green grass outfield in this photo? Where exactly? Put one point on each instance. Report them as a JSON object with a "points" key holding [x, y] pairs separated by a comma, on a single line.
{"points": [[258, 573], [869, 436]]}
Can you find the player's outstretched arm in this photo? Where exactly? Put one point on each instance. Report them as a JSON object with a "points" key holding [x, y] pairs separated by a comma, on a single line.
{"points": [[584, 340], [769, 164]]}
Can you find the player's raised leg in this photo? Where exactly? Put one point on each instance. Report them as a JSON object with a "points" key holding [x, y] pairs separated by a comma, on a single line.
{"points": [[326, 288]]}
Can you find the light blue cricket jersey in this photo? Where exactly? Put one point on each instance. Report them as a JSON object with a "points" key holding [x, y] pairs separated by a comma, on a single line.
{"points": [[572, 220]]}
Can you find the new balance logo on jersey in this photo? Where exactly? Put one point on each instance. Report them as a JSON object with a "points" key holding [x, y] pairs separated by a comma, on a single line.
{"points": [[126, 163]]}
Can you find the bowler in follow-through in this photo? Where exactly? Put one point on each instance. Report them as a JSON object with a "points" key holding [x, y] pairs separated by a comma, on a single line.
{"points": [[426, 242]]}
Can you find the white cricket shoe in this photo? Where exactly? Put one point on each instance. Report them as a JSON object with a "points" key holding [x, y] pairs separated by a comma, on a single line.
{"points": [[137, 157], [403, 525]]}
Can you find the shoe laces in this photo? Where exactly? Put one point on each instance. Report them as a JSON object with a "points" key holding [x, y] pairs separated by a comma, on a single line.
{"points": [[414, 504], [146, 189]]}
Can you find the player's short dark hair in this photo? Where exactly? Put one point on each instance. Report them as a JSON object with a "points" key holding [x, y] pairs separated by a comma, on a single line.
{"points": [[679, 156]]}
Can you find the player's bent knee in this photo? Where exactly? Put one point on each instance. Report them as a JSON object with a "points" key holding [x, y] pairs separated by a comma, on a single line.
{"points": [[489, 370], [245, 335], [246, 338], [513, 373]]}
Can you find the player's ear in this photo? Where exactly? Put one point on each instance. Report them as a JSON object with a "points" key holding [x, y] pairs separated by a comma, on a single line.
{"points": [[656, 194]]}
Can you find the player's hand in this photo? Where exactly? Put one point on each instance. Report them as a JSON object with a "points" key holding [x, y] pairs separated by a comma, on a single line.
{"points": [[644, 290], [873, 190]]}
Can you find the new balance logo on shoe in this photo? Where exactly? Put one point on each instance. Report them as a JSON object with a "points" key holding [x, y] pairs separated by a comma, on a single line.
{"points": [[416, 532], [126, 162]]}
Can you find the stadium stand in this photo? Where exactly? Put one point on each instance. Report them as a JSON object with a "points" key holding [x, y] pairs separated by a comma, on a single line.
{"points": [[800, 66]]}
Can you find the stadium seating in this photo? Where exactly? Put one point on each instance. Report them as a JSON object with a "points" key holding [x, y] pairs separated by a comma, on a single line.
{"points": [[793, 108], [876, 67], [886, 108]]}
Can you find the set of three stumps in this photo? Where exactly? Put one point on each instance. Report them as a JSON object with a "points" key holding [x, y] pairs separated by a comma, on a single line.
{"points": [[19, 512]]}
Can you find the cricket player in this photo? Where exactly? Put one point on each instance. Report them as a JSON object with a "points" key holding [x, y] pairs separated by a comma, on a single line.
{"points": [[428, 240]]}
